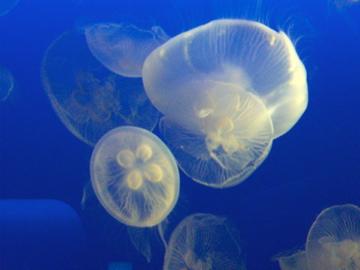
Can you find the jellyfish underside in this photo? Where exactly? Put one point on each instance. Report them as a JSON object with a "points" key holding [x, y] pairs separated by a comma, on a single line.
{"points": [[123, 48], [230, 135], [88, 98], [203, 242], [135, 176]]}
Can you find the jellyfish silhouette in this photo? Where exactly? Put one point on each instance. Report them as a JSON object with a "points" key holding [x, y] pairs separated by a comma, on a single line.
{"points": [[134, 176], [296, 261], [6, 83], [7, 5], [230, 85], [333, 240], [88, 98], [204, 242], [123, 48]]}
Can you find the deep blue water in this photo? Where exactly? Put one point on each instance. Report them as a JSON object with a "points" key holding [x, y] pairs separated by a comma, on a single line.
{"points": [[314, 166]]}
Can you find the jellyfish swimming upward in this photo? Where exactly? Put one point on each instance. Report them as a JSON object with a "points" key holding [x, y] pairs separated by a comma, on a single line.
{"points": [[226, 90], [134, 176]]}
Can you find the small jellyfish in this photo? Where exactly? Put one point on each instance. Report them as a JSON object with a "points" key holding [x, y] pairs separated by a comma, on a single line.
{"points": [[123, 48], [226, 89], [6, 83], [296, 261], [333, 241], [204, 242], [88, 98], [7, 5], [135, 176]]}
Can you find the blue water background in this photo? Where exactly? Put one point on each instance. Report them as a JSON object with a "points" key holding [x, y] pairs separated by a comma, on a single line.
{"points": [[314, 166]]}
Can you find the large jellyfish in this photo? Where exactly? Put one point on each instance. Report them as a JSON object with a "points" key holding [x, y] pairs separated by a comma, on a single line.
{"points": [[204, 242], [6, 83], [226, 89], [333, 242], [123, 48], [134, 176], [89, 99]]}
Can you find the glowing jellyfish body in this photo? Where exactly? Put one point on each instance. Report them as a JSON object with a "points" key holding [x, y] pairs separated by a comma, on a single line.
{"points": [[89, 99], [333, 242], [123, 48], [226, 89], [134, 176], [6, 83], [7, 5], [243, 54], [203, 242]]}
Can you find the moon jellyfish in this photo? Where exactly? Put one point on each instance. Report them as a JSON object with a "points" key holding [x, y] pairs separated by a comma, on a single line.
{"points": [[88, 98], [204, 242], [239, 53], [7, 5], [232, 137], [296, 261], [123, 48], [6, 83], [333, 242], [135, 176]]}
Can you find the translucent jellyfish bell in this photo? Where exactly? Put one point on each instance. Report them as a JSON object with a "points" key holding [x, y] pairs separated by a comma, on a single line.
{"points": [[88, 98], [134, 176], [6, 83], [123, 48], [333, 241], [240, 53], [226, 141], [201, 242]]}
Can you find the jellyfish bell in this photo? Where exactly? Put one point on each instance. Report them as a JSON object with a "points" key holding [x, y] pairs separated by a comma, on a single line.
{"points": [[244, 53], [227, 137], [7, 83], [88, 98], [333, 240], [204, 241], [123, 48], [134, 176]]}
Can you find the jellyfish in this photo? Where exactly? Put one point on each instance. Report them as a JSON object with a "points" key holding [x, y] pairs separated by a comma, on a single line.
{"points": [[135, 176], [296, 261], [123, 48], [204, 242], [6, 83], [233, 137], [230, 86], [88, 98], [333, 241], [7, 5]]}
